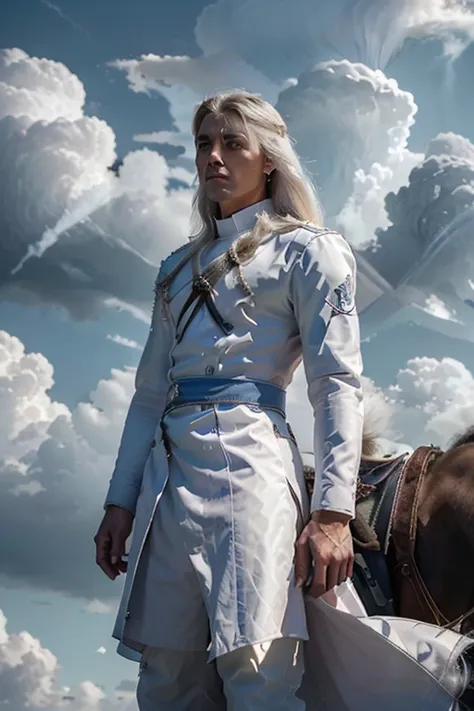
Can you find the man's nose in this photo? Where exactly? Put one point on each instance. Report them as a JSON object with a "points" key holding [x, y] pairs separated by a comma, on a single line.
{"points": [[215, 155]]}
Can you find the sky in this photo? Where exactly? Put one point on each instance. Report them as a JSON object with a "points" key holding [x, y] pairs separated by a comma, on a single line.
{"points": [[378, 97]]}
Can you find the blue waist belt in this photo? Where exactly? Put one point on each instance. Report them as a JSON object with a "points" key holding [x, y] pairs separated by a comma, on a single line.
{"points": [[232, 391]]}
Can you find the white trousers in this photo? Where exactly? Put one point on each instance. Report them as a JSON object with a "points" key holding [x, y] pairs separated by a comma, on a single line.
{"points": [[261, 677]]}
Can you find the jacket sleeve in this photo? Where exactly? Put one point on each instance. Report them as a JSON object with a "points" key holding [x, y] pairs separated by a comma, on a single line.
{"points": [[323, 299], [144, 414]]}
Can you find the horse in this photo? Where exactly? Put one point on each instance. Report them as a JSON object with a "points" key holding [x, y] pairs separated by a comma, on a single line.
{"points": [[414, 532]]}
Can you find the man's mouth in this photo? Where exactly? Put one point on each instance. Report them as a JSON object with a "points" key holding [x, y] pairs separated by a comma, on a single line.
{"points": [[217, 176]]}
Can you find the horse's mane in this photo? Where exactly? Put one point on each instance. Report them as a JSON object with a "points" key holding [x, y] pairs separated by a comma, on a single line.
{"points": [[369, 444], [466, 438], [371, 435], [376, 422]]}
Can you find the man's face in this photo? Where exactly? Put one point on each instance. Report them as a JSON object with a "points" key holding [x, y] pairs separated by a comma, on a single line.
{"points": [[230, 168]]}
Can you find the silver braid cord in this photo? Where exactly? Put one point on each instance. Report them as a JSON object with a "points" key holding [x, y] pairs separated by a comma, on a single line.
{"points": [[235, 262], [161, 295]]}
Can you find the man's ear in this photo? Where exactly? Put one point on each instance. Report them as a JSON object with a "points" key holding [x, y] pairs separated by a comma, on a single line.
{"points": [[268, 166]]}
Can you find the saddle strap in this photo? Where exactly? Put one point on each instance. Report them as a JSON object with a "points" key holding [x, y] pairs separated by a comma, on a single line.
{"points": [[404, 526]]}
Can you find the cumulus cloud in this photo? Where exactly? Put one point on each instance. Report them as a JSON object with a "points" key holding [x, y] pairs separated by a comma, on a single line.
{"points": [[431, 224], [28, 673], [75, 233], [54, 469], [350, 120], [27, 410], [432, 399], [261, 46], [351, 125], [364, 212]]}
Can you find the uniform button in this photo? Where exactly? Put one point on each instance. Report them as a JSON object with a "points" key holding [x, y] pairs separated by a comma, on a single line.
{"points": [[127, 615], [210, 370]]}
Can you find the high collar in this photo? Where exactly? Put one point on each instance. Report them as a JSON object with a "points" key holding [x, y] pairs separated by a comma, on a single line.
{"points": [[242, 220]]}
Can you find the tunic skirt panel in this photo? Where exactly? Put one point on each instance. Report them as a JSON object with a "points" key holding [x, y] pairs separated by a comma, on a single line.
{"points": [[235, 502]]}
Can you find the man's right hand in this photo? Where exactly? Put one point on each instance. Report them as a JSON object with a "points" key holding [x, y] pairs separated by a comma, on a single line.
{"points": [[110, 540]]}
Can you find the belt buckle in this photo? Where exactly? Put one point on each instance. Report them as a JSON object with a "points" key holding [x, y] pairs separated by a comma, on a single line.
{"points": [[175, 390]]}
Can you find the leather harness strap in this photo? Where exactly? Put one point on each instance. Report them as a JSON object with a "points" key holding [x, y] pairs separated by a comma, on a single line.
{"points": [[404, 526]]}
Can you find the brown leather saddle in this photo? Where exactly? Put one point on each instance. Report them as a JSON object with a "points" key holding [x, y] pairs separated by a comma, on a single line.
{"points": [[377, 486]]}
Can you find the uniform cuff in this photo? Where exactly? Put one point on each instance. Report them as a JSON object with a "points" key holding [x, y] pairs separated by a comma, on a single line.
{"points": [[124, 496], [337, 499]]}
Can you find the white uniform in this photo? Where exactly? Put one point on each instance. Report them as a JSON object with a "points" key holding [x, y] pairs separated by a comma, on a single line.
{"points": [[224, 510]]}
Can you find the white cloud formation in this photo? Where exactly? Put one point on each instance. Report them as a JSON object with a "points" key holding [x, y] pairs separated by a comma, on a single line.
{"points": [[364, 211], [436, 306], [54, 469], [122, 341], [261, 45], [349, 120], [305, 32], [433, 399], [260, 41], [429, 242], [26, 408], [73, 232], [184, 81], [28, 674], [351, 125]]}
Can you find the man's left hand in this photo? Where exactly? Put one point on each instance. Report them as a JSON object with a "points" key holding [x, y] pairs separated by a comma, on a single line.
{"points": [[327, 541]]}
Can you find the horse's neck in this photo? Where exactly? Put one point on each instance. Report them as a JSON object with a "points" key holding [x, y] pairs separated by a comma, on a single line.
{"points": [[445, 534]]}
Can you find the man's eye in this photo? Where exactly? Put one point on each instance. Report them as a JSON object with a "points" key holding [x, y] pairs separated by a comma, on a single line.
{"points": [[234, 144], [203, 145]]}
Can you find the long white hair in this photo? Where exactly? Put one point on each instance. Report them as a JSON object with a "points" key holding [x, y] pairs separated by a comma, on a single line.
{"points": [[291, 190]]}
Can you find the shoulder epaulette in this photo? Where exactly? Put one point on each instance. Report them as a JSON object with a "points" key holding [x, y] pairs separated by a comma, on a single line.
{"points": [[166, 261], [181, 248]]}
